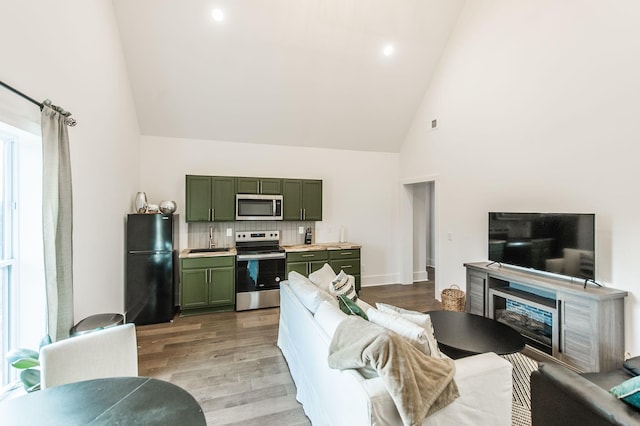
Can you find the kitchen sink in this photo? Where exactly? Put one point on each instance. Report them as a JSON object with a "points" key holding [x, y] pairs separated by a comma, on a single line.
{"points": [[209, 250]]}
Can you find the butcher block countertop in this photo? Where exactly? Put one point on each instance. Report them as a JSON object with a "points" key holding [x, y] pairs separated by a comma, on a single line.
{"points": [[229, 251], [320, 246]]}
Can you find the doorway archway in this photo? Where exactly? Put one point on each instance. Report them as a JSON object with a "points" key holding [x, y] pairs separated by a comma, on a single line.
{"points": [[419, 227]]}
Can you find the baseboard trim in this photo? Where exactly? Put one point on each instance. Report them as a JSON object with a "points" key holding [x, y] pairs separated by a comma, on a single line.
{"points": [[376, 280], [420, 276]]}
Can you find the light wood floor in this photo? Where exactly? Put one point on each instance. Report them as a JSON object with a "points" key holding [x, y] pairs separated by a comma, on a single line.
{"points": [[230, 362]]}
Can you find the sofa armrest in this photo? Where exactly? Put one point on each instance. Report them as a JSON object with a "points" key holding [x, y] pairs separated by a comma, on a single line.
{"points": [[560, 397], [632, 365], [484, 383]]}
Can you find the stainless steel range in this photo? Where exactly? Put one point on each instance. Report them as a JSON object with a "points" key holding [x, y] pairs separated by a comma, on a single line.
{"points": [[260, 266]]}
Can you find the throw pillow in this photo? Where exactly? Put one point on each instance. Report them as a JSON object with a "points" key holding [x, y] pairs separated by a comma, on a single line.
{"points": [[322, 277], [350, 307], [307, 293], [628, 391], [329, 317], [414, 334], [422, 319], [344, 284]]}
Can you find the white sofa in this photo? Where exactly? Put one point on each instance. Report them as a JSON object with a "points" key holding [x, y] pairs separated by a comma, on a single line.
{"points": [[334, 397]]}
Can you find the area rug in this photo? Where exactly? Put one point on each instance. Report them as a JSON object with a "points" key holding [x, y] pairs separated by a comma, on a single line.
{"points": [[521, 399]]}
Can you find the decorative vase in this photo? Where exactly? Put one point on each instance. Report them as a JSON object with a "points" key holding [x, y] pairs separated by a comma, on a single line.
{"points": [[167, 207], [141, 202]]}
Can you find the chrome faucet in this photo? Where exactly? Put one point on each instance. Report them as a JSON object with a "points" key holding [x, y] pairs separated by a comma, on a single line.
{"points": [[212, 244]]}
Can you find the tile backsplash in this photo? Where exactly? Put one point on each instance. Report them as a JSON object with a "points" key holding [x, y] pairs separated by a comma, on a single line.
{"points": [[198, 233]]}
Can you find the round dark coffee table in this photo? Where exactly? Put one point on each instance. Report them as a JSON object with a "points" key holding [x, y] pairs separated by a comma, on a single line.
{"points": [[460, 334]]}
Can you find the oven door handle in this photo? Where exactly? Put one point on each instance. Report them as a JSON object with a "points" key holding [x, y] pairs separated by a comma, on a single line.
{"points": [[262, 256]]}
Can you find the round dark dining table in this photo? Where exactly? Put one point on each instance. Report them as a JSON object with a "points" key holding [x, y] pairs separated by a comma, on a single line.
{"points": [[110, 401]]}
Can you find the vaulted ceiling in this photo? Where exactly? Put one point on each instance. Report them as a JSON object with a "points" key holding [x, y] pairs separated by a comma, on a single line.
{"points": [[287, 72]]}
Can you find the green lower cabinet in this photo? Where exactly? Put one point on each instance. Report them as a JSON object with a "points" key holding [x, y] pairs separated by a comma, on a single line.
{"points": [[207, 284], [347, 261], [194, 291], [299, 267], [306, 262], [220, 292]]}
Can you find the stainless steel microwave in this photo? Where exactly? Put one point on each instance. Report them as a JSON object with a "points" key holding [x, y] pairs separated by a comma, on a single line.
{"points": [[258, 207]]}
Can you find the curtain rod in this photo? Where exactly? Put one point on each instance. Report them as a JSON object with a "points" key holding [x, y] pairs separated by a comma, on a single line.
{"points": [[69, 120], [19, 93]]}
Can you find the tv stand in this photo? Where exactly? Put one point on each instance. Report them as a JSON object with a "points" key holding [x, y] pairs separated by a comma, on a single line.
{"points": [[557, 316]]}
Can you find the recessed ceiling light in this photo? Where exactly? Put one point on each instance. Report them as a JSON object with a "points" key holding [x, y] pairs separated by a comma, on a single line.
{"points": [[218, 15], [388, 50]]}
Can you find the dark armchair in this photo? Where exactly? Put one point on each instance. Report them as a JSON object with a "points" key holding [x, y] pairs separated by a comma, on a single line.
{"points": [[562, 397]]}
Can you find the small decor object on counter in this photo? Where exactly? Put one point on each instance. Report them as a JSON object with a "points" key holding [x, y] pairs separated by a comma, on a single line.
{"points": [[141, 202], [152, 208], [307, 236], [452, 299], [167, 207]]}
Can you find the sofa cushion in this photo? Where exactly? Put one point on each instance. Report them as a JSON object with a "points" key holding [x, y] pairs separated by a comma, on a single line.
{"points": [[328, 317], [628, 391], [350, 307], [323, 277], [345, 285], [308, 294], [420, 318], [415, 334]]}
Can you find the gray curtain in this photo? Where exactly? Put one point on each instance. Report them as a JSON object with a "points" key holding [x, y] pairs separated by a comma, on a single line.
{"points": [[57, 221]]}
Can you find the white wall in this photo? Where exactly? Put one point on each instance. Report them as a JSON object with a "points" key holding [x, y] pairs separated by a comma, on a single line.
{"points": [[359, 188], [537, 108], [69, 51]]}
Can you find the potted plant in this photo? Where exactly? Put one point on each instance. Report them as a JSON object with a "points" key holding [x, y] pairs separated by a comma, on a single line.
{"points": [[28, 361]]}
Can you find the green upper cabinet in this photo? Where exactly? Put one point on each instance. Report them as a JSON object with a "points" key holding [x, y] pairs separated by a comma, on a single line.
{"points": [[292, 199], [213, 198], [210, 198], [252, 185], [312, 199], [198, 198], [302, 199]]}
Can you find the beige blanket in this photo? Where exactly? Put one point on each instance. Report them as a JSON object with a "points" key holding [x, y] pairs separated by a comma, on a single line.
{"points": [[418, 384]]}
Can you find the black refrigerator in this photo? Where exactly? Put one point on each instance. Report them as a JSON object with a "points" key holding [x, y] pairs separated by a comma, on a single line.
{"points": [[151, 268]]}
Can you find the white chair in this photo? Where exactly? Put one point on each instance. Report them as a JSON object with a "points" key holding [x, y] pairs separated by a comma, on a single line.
{"points": [[111, 352]]}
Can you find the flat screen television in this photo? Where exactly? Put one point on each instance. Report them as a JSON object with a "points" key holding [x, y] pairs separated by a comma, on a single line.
{"points": [[560, 243]]}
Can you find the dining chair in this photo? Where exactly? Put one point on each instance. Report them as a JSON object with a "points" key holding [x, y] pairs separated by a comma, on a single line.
{"points": [[111, 352]]}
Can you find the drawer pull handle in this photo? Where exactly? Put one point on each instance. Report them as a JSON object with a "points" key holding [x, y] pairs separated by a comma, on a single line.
{"points": [[345, 253], [308, 255], [347, 266]]}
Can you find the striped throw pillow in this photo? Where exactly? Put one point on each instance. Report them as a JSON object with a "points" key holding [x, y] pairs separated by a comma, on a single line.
{"points": [[344, 284]]}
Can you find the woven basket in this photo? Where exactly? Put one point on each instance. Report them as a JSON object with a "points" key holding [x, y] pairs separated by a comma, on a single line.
{"points": [[452, 299]]}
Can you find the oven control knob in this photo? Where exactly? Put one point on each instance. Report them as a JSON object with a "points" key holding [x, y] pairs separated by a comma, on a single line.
{"points": [[277, 279]]}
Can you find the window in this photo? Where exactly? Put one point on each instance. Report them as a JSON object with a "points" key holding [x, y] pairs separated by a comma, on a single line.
{"points": [[22, 299], [7, 296]]}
